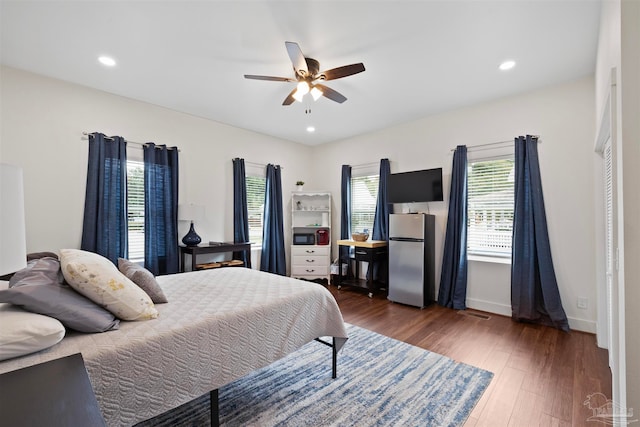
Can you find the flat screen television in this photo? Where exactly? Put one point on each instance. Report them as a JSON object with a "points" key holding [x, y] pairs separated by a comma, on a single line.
{"points": [[415, 186]]}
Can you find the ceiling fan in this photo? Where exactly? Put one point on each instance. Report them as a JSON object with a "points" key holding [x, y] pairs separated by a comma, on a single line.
{"points": [[307, 74]]}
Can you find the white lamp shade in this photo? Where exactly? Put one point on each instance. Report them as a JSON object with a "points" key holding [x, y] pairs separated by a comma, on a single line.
{"points": [[316, 93], [13, 245], [301, 91], [190, 212]]}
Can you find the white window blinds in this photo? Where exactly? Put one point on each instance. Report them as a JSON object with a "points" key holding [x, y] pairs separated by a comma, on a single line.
{"points": [[255, 207], [364, 194], [135, 209], [490, 207]]}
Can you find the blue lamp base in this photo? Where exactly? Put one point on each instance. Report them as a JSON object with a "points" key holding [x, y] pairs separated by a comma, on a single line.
{"points": [[191, 238]]}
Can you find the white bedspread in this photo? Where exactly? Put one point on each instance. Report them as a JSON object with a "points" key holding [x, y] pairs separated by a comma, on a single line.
{"points": [[218, 326]]}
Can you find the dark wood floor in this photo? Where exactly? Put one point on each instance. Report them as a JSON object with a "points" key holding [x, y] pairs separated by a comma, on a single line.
{"points": [[542, 375]]}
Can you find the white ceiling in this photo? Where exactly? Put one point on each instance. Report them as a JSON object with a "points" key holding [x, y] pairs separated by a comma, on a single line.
{"points": [[421, 57]]}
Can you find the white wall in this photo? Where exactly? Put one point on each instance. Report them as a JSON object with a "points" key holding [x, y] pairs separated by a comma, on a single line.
{"points": [[618, 50], [42, 124], [607, 81], [563, 116], [630, 114], [42, 121]]}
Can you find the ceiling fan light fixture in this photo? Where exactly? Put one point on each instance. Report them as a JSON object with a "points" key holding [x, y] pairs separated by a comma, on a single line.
{"points": [[316, 93], [297, 96], [301, 91], [307, 75]]}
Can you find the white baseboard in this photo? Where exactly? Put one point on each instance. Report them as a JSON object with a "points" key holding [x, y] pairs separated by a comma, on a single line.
{"points": [[582, 325], [489, 307], [505, 310]]}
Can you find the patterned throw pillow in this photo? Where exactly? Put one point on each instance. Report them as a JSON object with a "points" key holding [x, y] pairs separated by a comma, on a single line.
{"points": [[143, 278], [98, 279]]}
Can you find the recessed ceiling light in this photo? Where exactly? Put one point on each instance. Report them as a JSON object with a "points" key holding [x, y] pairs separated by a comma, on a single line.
{"points": [[311, 129], [107, 60], [507, 65]]}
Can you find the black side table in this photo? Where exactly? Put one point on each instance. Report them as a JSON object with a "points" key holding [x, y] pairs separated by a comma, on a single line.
{"points": [[194, 251], [53, 394]]}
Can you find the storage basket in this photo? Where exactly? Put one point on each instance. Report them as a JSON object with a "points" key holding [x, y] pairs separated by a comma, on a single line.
{"points": [[359, 237]]}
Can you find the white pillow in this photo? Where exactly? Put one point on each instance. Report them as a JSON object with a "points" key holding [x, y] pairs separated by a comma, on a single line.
{"points": [[98, 279], [23, 332]]}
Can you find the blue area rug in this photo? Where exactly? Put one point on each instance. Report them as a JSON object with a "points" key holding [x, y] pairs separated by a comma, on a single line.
{"points": [[381, 382]]}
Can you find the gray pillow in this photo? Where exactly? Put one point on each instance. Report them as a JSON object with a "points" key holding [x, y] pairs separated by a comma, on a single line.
{"points": [[143, 278], [39, 271], [40, 288], [37, 255]]}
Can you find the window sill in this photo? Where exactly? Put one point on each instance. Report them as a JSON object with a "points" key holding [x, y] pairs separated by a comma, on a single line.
{"points": [[490, 259]]}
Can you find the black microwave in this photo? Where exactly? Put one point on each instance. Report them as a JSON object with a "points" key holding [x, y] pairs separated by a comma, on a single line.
{"points": [[304, 238]]}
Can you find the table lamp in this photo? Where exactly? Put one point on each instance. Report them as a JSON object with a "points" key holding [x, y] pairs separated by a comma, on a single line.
{"points": [[190, 213], [13, 246]]}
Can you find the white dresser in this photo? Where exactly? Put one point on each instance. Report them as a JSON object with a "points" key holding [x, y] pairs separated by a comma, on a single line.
{"points": [[310, 262]]}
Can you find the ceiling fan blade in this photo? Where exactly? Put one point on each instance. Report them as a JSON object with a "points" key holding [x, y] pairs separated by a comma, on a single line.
{"points": [[331, 94], [344, 71], [297, 58], [270, 78], [289, 99]]}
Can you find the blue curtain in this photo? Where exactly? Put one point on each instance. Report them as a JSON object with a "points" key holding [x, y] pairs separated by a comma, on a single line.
{"points": [[534, 290], [273, 259], [345, 214], [381, 218], [161, 209], [104, 227], [453, 279], [240, 210]]}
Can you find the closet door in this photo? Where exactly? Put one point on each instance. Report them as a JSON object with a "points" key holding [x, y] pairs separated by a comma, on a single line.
{"points": [[610, 255]]}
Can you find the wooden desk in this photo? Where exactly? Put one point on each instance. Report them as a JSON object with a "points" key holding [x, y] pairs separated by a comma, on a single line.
{"points": [[371, 251], [194, 251], [55, 394]]}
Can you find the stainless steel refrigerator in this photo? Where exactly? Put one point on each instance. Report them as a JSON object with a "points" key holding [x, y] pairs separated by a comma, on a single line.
{"points": [[412, 259]]}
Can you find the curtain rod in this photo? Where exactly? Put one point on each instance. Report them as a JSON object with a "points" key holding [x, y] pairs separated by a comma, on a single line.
{"points": [[365, 165], [142, 144], [489, 145], [262, 165]]}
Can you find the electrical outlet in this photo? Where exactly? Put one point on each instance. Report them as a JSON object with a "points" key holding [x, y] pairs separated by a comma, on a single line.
{"points": [[583, 302]]}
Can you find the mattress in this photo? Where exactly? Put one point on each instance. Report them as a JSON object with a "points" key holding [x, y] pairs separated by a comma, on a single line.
{"points": [[218, 326]]}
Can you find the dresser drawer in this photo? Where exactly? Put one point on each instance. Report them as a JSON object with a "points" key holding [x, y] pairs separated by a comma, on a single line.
{"points": [[309, 270], [310, 250], [310, 260]]}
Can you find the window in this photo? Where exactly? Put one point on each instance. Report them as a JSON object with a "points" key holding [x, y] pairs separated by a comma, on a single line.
{"points": [[255, 207], [364, 195], [490, 207], [135, 209]]}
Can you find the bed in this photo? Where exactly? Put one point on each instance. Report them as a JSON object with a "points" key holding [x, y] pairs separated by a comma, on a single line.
{"points": [[218, 326]]}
